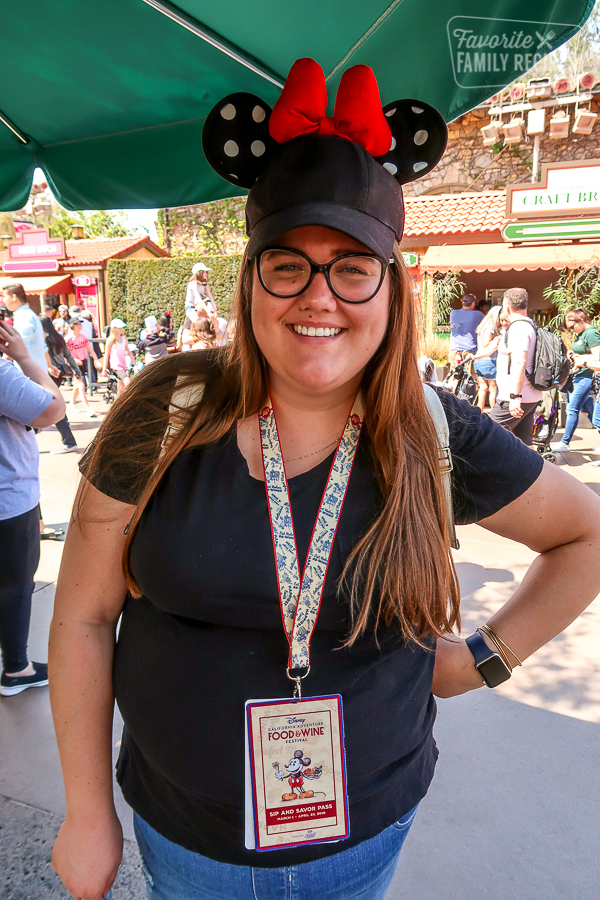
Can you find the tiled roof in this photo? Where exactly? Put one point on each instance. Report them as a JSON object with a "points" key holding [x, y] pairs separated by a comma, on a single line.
{"points": [[455, 213], [97, 251]]}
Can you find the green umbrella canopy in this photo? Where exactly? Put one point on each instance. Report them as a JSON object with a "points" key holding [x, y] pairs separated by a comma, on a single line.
{"points": [[109, 97]]}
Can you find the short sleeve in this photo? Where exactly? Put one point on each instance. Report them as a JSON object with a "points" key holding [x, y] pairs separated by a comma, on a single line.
{"points": [[519, 338], [21, 398], [126, 449], [491, 466], [118, 475], [592, 338]]}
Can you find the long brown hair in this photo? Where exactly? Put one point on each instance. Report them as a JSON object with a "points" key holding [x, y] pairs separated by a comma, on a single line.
{"points": [[204, 330], [401, 571]]}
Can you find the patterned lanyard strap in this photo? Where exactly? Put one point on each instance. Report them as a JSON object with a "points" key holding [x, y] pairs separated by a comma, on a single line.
{"points": [[300, 598]]}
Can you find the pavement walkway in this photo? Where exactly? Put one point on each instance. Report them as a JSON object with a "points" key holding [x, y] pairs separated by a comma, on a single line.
{"points": [[514, 808]]}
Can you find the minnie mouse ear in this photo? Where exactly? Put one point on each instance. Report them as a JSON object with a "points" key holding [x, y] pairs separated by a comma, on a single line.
{"points": [[236, 139], [419, 137]]}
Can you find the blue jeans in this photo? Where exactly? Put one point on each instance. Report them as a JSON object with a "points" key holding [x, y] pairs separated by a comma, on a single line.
{"points": [[66, 434], [363, 872], [579, 400]]}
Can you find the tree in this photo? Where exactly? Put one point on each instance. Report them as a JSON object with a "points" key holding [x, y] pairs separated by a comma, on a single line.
{"points": [[217, 227], [96, 223], [580, 54], [574, 288]]}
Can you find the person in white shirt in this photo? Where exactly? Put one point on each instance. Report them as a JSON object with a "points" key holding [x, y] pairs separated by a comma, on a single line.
{"points": [[86, 324], [516, 399], [198, 290], [61, 323], [29, 326]]}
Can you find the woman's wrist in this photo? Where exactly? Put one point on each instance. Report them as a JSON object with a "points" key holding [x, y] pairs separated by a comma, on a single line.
{"points": [[454, 671], [88, 809]]}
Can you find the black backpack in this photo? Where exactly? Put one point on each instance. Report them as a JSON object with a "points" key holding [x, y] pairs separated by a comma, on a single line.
{"points": [[551, 365]]}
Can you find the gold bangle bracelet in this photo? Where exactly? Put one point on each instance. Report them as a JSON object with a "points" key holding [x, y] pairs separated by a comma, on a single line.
{"points": [[483, 631], [498, 639]]}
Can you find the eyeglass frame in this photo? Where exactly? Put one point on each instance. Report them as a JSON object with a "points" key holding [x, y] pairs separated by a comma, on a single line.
{"points": [[316, 268]]}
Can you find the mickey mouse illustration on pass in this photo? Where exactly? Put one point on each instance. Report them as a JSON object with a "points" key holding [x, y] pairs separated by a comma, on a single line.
{"points": [[297, 770]]}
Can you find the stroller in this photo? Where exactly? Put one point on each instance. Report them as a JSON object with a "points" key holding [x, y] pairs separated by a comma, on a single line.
{"points": [[545, 424], [460, 381], [111, 388]]}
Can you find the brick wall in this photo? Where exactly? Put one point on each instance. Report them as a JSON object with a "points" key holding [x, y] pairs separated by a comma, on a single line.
{"points": [[468, 165]]}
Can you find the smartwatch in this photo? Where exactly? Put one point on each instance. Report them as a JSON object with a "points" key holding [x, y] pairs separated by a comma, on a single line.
{"points": [[515, 396], [489, 664]]}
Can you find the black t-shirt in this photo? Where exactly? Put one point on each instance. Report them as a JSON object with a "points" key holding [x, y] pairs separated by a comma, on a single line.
{"points": [[206, 636]]}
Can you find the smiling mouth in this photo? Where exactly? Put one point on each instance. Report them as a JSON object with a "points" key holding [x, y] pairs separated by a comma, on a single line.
{"points": [[311, 331]]}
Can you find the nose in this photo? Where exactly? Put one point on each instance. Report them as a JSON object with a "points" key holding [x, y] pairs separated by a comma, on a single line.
{"points": [[318, 295]]}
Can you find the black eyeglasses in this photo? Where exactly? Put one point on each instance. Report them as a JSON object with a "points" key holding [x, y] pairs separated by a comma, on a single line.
{"points": [[353, 277]]}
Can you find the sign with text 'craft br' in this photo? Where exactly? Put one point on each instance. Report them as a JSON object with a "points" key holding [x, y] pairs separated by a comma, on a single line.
{"points": [[571, 187], [34, 251]]}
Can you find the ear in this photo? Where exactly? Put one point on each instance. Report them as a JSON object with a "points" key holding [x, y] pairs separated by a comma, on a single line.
{"points": [[298, 754], [236, 139], [419, 137], [306, 761]]}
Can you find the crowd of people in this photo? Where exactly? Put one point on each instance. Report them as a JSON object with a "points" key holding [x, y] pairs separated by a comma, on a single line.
{"points": [[65, 342], [500, 343], [39, 354]]}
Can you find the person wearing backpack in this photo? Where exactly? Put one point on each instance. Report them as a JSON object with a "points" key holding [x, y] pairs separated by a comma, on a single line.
{"points": [[586, 343], [516, 399]]}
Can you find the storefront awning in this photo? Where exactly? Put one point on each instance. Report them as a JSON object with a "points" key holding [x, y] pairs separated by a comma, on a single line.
{"points": [[117, 120], [41, 284], [507, 257]]}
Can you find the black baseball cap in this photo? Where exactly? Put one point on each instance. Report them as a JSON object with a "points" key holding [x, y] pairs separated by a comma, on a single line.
{"points": [[325, 180]]}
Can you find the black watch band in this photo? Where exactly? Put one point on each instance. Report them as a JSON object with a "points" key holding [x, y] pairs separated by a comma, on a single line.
{"points": [[489, 664], [515, 396]]}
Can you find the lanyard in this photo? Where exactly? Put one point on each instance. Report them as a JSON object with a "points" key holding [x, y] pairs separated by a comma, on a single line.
{"points": [[300, 598]]}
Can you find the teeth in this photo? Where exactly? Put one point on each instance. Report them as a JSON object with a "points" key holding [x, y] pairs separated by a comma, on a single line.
{"points": [[316, 332]]}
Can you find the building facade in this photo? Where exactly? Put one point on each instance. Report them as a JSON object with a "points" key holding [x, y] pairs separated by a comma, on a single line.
{"points": [[72, 272]]}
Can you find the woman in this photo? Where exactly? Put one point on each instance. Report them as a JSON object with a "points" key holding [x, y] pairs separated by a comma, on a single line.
{"points": [[488, 337], [204, 335], [62, 358], [586, 343], [191, 458], [198, 291], [116, 354], [80, 346]]}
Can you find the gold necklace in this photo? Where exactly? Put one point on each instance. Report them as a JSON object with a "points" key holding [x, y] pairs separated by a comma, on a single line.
{"points": [[314, 453]]}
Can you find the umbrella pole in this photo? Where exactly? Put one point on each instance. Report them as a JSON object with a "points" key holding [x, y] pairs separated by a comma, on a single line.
{"points": [[177, 15]]}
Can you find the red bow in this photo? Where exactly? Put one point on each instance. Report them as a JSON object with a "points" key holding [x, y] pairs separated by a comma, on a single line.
{"points": [[358, 116]]}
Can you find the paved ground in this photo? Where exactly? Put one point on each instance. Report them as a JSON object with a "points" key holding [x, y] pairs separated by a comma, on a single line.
{"points": [[513, 811]]}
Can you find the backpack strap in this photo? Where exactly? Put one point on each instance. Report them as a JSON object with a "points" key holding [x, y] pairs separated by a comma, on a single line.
{"points": [[436, 411], [520, 319]]}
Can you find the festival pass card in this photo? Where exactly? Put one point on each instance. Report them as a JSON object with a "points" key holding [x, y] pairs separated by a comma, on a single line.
{"points": [[298, 771]]}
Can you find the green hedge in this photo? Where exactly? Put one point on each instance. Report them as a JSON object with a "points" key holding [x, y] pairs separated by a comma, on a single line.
{"points": [[145, 287]]}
